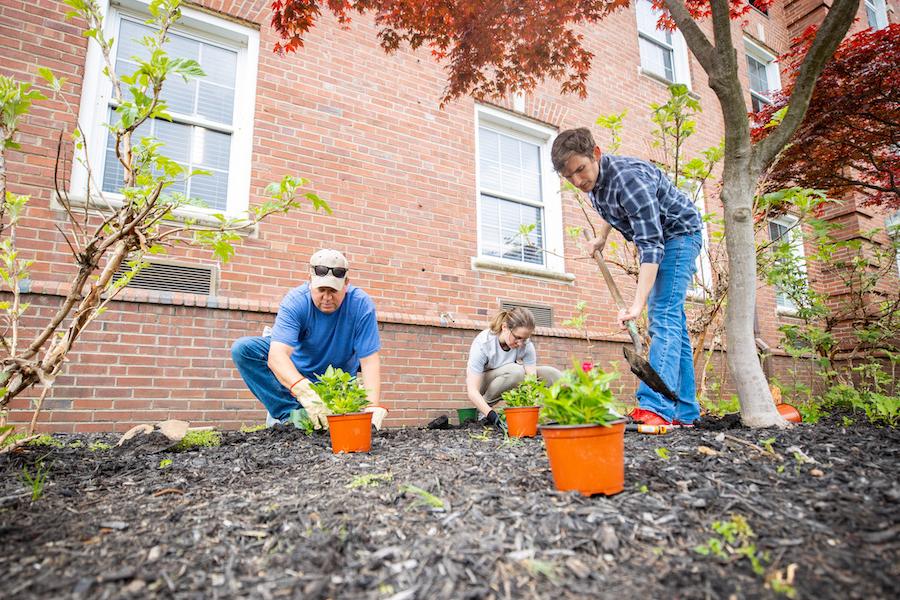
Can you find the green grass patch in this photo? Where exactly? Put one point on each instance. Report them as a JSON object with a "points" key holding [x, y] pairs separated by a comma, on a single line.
{"points": [[199, 439]]}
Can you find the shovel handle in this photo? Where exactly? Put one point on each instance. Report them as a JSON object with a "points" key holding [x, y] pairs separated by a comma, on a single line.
{"points": [[617, 298]]}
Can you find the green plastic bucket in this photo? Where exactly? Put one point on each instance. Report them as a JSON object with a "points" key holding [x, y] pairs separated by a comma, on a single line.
{"points": [[466, 414]]}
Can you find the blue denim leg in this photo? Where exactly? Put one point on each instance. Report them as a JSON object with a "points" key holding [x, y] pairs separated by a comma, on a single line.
{"points": [[670, 345], [251, 356]]}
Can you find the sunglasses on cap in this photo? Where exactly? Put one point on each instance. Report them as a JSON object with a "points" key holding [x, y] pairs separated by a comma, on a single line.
{"points": [[322, 271]]}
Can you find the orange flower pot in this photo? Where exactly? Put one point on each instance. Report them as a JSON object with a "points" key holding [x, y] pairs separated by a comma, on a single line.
{"points": [[351, 432], [521, 421], [587, 458], [790, 413]]}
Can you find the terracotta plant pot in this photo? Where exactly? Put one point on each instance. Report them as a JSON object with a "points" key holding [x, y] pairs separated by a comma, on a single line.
{"points": [[587, 458], [522, 421], [351, 432], [466, 414], [790, 413]]}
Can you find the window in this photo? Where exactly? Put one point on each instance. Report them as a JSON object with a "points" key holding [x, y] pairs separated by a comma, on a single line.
{"points": [[211, 127], [892, 224], [756, 4], [663, 53], [876, 14], [763, 74], [786, 229], [516, 188]]}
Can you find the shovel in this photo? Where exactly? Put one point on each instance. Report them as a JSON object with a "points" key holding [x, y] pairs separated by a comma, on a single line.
{"points": [[639, 366]]}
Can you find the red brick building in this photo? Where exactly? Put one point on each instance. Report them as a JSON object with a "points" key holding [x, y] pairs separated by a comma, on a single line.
{"points": [[422, 197]]}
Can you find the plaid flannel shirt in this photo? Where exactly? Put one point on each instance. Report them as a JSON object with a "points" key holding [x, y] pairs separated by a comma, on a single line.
{"points": [[638, 200]]}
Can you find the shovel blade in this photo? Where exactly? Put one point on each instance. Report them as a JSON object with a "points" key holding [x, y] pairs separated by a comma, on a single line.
{"points": [[642, 369]]}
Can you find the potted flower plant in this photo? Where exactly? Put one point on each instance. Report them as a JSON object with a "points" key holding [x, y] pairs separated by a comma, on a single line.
{"points": [[350, 428], [522, 406], [585, 439]]}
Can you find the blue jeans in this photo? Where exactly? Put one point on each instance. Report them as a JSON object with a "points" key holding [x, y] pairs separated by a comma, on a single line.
{"points": [[251, 357], [670, 345]]}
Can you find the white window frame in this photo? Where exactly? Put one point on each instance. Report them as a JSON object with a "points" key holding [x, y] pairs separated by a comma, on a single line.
{"points": [[892, 225], [878, 9], [768, 60], [783, 304], [680, 62], [96, 92], [542, 136]]}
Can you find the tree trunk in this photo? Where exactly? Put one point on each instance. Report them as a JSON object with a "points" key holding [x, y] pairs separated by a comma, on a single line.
{"points": [[757, 406]]}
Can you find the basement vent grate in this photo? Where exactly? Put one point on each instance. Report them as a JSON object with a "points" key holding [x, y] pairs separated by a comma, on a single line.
{"points": [[172, 277], [543, 315]]}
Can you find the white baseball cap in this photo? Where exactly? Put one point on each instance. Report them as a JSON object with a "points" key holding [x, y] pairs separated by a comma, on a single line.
{"points": [[333, 263]]}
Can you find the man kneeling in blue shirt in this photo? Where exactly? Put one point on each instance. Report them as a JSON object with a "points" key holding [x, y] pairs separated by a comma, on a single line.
{"points": [[637, 199], [324, 322]]}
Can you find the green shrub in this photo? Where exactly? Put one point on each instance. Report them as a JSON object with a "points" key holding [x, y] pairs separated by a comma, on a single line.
{"points": [[531, 392], [879, 408], [208, 438], [46, 440], [340, 392], [580, 398]]}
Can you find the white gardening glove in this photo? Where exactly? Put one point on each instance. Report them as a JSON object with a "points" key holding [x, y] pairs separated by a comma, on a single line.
{"points": [[310, 401], [378, 415]]}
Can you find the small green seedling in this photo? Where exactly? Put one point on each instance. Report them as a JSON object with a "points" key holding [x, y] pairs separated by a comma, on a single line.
{"points": [[208, 438], [779, 469], [46, 440], [165, 463], [98, 446], [37, 481], [531, 392], [423, 497], [252, 428], [643, 489], [301, 421], [663, 453], [484, 436], [541, 567], [370, 480], [846, 422], [76, 444], [734, 540], [340, 391], [768, 444]]}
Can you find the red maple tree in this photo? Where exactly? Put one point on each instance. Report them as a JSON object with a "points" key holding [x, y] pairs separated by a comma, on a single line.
{"points": [[850, 137]]}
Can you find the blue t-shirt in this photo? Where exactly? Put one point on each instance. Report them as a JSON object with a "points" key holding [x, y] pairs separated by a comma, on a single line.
{"points": [[339, 339]]}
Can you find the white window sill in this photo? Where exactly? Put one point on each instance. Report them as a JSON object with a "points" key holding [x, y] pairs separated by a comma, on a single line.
{"points": [[485, 263], [201, 217], [661, 79]]}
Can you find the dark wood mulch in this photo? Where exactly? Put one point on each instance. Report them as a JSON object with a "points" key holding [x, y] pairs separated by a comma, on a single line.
{"points": [[270, 515]]}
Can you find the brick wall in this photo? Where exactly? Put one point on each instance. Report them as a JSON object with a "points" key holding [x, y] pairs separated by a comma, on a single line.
{"points": [[399, 173]]}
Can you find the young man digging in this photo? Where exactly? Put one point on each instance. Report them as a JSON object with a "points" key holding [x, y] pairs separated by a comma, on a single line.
{"points": [[638, 200], [323, 322]]}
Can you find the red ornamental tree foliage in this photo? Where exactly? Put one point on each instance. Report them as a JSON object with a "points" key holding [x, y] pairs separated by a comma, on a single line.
{"points": [[491, 47], [850, 137]]}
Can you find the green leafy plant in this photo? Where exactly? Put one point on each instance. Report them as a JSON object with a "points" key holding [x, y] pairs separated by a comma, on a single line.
{"points": [[531, 392], [663, 453], [423, 497], [76, 444], [768, 444], [340, 391], [734, 540], [252, 428], [301, 421], [370, 480], [581, 397], [36, 481], [204, 438], [98, 446], [165, 463], [46, 440]]}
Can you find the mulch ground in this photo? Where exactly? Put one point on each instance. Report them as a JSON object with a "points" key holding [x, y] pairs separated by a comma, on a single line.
{"points": [[271, 514]]}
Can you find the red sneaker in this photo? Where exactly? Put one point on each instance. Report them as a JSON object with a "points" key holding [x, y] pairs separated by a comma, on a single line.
{"points": [[646, 417]]}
